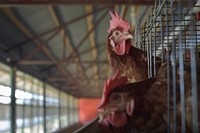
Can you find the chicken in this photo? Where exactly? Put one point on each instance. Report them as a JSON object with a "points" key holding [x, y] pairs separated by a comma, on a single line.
{"points": [[129, 105], [142, 106], [122, 56], [124, 108]]}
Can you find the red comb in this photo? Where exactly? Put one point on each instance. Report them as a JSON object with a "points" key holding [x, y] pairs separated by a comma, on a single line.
{"points": [[111, 83], [117, 21]]}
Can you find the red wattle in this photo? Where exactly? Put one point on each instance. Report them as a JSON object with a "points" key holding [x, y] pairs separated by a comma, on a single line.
{"points": [[118, 120], [130, 107], [120, 49]]}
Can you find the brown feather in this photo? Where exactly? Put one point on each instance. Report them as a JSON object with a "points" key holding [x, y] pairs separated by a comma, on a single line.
{"points": [[133, 64], [150, 96]]}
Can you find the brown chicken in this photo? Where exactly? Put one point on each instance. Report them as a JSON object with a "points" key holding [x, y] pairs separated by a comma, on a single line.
{"points": [[141, 106], [144, 104], [129, 105], [125, 108], [122, 56]]}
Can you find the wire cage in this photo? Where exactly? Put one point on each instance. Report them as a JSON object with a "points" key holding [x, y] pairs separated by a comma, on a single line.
{"points": [[171, 34]]}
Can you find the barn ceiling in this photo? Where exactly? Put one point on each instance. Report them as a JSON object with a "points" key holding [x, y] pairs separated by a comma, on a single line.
{"points": [[62, 42]]}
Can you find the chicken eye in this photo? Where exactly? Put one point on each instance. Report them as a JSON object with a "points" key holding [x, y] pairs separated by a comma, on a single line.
{"points": [[116, 33], [115, 97]]}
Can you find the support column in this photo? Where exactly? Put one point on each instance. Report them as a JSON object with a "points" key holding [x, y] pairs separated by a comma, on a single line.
{"points": [[59, 109], [24, 104], [13, 99], [69, 111], [31, 106], [44, 107], [66, 103]]}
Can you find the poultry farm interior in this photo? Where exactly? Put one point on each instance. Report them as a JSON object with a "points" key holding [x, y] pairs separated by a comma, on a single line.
{"points": [[100, 66]]}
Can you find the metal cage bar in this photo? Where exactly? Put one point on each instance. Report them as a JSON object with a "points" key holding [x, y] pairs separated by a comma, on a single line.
{"points": [[193, 58], [168, 72], [173, 67], [172, 33], [181, 66]]}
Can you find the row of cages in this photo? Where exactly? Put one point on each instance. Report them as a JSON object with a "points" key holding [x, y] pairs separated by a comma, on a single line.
{"points": [[39, 107], [171, 34]]}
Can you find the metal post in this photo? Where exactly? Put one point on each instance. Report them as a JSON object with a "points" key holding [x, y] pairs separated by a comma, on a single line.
{"points": [[77, 107], [154, 48], [194, 90], [173, 66], [181, 67], [31, 117], [150, 47], [168, 71], [143, 39], [24, 103], [147, 37], [161, 34], [69, 111], [66, 104], [76, 102], [194, 81], [74, 111], [44, 107], [59, 109], [135, 36], [13, 101], [38, 104]]}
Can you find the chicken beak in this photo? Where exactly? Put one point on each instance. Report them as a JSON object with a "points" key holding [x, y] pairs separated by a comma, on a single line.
{"points": [[127, 36], [101, 117], [103, 113], [111, 38]]}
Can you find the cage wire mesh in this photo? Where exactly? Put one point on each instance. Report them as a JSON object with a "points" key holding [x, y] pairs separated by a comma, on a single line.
{"points": [[171, 33]]}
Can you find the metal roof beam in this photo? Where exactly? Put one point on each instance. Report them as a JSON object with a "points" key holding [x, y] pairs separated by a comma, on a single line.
{"points": [[14, 3], [60, 79], [53, 29], [69, 2], [43, 62]]}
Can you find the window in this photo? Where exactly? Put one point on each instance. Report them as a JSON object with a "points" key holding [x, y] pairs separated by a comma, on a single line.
{"points": [[29, 104], [52, 106], [5, 93], [29, 101], [63, 112]]}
